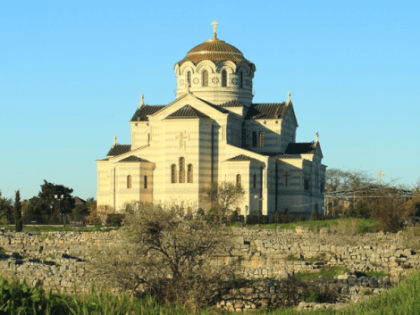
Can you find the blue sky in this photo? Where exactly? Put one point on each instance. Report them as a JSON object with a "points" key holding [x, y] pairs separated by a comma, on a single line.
{"points": [[71, 74]]}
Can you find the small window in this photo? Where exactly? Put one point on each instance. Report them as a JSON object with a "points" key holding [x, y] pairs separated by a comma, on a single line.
{"points": [[238, 180], [190, 173], [148, 138], [205, 78], [254, 139], [255, 181], [286, 178], [306, 184], [261, 139], [189, 78], [145, 182], [322, 187], [224, 78], [129, 181], [173, 174], [241, 80], [181, 170]]}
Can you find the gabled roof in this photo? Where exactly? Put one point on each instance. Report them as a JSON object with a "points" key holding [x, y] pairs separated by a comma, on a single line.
{"points": [[220, 109], [187, 112], [266, 111], [79, 201], [233, 103], [283, 155], [133, 158], [142, 112], [243, 157], [301, 148], [119, 149]]}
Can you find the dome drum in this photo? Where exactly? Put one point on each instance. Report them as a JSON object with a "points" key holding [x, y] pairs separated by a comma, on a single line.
{"points": [[217, 72]]}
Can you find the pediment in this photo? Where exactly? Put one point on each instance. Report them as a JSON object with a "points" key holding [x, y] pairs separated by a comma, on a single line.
{"points": [[290, 111], [195, 104]]}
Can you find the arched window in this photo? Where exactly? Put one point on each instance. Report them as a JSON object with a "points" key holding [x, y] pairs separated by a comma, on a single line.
{"points": [[238, 180], [254, 139], [129, 181], [181, 170], [145, 182], [173, 173], [190, 173], [261, 139], [255, 181], [224, 78], [205, 78], [241, 80], [148, 138], [188, 78]]}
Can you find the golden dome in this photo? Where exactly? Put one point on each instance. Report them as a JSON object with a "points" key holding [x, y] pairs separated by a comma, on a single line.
{"points": [[214, 50]]}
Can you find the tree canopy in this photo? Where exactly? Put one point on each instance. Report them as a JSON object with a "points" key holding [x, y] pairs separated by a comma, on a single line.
{"points": [[53, 199], [6, 208]]}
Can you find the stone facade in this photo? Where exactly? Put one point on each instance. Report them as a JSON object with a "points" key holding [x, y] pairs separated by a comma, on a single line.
{"points": [[213, 132]]}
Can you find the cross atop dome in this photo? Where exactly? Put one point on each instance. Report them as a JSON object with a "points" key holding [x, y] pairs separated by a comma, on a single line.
{"points": [[214, 23]]}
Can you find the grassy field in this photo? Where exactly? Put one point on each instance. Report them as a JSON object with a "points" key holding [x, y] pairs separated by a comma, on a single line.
{"points": [[326, 273]]}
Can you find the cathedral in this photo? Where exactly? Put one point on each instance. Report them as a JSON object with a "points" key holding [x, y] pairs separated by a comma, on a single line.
{"points": [[212, 133]]}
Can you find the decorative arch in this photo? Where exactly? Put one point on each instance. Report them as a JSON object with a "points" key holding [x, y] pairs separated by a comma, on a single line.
{"points": [[242, 69], [129, 182], [243, 66], [206, 65], [187, 66], [228, 65]]}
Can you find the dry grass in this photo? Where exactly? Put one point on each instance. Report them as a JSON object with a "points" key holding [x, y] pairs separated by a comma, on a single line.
{"points": [[410, 237], [346, 230]]}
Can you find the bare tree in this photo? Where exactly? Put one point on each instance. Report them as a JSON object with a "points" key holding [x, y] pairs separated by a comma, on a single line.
{"points": [[222, 199], [169, 256], [337, 179], [390, 209]]}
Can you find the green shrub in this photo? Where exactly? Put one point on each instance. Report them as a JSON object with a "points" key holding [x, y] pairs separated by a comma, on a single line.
{"points": [[311, 296], [366, 292], [256, 219], [115, 219], [360, 212], [314, 216], [234, 217]]}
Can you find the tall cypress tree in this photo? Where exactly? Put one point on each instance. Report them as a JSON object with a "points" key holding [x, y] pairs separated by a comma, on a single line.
{"points": [[17, 209]]}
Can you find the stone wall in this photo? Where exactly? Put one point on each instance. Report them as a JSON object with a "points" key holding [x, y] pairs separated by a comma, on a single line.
{"points": [[60, 259]]}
